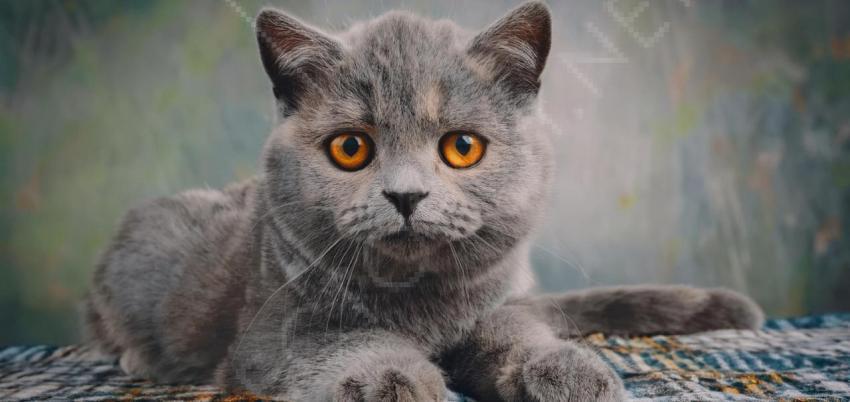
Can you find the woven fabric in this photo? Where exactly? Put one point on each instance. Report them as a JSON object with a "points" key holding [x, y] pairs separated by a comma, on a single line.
{"points": [[798, 359], [805, 359]]}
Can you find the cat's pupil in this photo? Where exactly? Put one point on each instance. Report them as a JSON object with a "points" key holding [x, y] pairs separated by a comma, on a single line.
{"points": [[463, 144], [350, 146]]}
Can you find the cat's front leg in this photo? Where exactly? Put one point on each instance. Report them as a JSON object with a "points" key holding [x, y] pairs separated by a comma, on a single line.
{"points": [[363, 366], [512, 356], [645, 310]]}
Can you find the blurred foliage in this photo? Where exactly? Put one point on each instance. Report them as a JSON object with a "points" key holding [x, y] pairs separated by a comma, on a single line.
{"points": [[108, 105]]}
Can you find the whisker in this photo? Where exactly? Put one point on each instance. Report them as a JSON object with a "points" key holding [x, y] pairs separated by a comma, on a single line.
{"points": [[266, 302], [492, 247], [345, 294], [345, 277], [575, 265], [318, 299], [462, 275], [566, 317]]}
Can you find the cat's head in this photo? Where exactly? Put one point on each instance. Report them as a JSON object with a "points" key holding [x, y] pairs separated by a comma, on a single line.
{"points": [[408, 135]]}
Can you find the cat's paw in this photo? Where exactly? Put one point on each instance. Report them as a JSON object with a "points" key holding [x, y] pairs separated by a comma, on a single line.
{"points": [[133, 364], [561, 374], [391, 384]]}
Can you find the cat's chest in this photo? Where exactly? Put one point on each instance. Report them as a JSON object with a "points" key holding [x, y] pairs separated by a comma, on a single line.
{"points": [[437, 318], [434, 309]]}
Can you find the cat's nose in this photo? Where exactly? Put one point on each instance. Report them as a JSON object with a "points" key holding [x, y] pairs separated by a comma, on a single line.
{"points": [[405, 203]]}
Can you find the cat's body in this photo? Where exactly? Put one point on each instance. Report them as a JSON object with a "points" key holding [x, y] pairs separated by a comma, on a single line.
{"points": [[385, 281]]}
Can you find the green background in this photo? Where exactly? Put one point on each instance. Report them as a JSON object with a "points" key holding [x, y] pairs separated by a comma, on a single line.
{"points": [[715, 153]]}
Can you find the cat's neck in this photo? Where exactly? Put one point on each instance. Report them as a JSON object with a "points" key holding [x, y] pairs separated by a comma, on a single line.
{"points": [[445, 290]]}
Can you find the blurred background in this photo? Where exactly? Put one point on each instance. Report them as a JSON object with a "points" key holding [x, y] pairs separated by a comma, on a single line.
{"points": [[701, 142]]}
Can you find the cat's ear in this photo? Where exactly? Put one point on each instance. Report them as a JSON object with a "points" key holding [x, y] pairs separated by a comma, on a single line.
{"points": [[513, 50], [294, 55]]}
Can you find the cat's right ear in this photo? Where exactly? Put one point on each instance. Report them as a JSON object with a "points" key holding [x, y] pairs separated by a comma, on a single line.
{"points": [[512, 51], [294, 55]]}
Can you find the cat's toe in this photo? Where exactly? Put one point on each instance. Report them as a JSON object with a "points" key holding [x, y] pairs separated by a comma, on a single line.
{"points": [[349, 390], [133, 364], [392, 385], [570, 374]]}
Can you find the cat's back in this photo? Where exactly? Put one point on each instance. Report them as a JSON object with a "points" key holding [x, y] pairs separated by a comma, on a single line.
{"points": [[156, 236], [140, 286]]}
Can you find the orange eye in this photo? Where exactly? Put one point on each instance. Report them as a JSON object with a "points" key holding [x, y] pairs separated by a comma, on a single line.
{"points": [[462, 150], [350, 151]]}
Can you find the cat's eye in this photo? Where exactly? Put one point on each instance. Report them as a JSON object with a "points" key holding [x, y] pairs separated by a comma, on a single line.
{"points": [[461, 150], [350, 150]]}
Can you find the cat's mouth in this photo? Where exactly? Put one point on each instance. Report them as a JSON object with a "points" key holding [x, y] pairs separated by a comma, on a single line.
{"points": [[405, 235], [406, 244]]}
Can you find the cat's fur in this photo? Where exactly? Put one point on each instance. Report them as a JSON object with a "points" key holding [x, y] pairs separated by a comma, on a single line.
{"points": [[294, 285]]}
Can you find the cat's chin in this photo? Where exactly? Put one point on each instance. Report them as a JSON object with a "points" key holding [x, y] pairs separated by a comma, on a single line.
{"points": [[407, 245]]}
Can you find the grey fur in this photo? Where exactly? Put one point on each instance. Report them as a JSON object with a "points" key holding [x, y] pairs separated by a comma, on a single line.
{"points": [[296, 285]]}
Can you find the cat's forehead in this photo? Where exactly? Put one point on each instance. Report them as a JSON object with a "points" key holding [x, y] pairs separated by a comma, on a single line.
{"points": [[405, 69], [399, 49], [402, 37]]}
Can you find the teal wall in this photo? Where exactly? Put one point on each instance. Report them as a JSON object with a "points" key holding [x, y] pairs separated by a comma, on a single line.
{"points": [[706, 142]]}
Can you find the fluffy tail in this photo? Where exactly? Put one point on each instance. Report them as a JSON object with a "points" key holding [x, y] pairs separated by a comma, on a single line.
{"points": [[645, 310]]}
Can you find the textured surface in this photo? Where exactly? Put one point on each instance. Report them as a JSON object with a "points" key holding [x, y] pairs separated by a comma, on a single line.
{"points": [[804, 358]]}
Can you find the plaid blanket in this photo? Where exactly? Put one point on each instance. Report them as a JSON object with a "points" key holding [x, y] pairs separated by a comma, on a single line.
{"points": [[801, 359], [796, 359]]}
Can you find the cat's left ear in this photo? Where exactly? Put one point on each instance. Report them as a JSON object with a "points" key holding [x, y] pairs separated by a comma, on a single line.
{"points": [[513, 50]]}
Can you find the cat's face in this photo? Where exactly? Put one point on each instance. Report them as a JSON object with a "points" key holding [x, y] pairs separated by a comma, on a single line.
{"points": [[407, 135]]}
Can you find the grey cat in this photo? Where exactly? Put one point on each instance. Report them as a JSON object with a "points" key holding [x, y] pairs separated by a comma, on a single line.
{"points": [[384, 250]]}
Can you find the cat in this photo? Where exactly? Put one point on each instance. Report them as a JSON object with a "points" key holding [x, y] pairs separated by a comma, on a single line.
{"points": [[383, 251]]}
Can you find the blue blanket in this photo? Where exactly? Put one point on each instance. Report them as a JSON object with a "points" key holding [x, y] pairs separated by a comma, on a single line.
{"points": [[796, 359]]}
